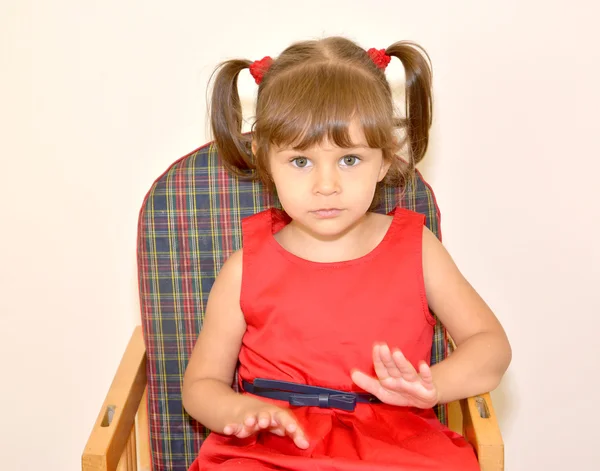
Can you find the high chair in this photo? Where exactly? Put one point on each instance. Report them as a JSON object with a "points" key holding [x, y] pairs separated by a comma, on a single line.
{"points": [[188, 225]]}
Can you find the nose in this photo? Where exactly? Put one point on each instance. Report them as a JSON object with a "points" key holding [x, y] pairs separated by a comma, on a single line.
{"points": [[326, 182]]}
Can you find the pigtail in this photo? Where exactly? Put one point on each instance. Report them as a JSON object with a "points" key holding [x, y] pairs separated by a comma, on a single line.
{"points": [[226, 119], [419, 100]]}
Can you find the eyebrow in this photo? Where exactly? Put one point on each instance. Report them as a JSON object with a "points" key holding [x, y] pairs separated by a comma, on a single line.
{"points": [[295, 149]]}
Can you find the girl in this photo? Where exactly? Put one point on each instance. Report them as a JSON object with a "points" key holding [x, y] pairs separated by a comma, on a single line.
{"points": [[326, 308]]}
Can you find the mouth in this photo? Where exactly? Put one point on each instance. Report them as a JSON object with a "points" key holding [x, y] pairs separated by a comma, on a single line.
{"points": [[327, 213]]}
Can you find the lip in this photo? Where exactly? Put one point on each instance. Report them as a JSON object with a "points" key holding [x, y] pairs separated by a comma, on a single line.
{"points": [[327, 213]]}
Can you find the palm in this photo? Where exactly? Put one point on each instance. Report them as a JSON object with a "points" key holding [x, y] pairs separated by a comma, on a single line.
{"points": [[397, 382]]}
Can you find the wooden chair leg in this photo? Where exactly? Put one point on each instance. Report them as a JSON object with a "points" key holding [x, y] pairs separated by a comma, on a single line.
{"points": [[143, 435], [128, 461], [455, 417], [111, 437], [481, 429]]}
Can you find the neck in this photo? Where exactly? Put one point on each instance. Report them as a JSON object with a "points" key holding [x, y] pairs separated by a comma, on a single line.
{"points": [[326, 248]]}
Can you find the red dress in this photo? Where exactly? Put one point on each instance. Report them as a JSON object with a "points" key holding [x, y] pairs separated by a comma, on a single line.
{"points": [[313, 323]]}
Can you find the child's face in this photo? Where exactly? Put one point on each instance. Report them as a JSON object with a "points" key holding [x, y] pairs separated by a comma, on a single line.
{"points": [[327, 189]]}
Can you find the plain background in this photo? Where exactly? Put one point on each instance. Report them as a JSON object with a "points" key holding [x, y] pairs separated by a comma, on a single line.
{"points": [[98, 98]]}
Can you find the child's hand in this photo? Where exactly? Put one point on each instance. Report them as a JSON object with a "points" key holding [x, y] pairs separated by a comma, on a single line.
{"points": [[397, 382], [260, 415]]}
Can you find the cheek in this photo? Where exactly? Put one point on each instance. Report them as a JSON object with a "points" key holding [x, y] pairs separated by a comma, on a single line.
{"points": [[365, 183], [293, 198], [290, 190], [289, 187]]}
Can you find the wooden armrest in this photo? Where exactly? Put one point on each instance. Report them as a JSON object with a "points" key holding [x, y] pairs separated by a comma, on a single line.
{"points": [[482, 431], [476, 420], [116, 419]]}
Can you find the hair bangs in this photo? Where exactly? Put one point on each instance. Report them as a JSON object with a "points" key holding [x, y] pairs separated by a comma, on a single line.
{"points": [[318, 103]]}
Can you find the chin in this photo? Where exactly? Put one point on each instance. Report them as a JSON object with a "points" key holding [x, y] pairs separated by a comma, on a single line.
{"points": [[328, 228]]}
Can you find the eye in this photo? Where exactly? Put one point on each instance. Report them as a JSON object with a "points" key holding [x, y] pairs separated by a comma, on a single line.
{"points": [[300, 162], [350, 160]]}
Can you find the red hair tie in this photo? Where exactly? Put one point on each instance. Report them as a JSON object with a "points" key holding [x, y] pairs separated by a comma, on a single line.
{"points": [[379, 57], [258, 69]]}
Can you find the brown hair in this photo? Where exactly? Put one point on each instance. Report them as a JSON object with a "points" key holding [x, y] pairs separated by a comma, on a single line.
{"points": [[311, 92]]}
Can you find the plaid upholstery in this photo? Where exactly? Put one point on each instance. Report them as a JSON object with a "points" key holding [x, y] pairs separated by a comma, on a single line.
{"points": [[188, 225]]}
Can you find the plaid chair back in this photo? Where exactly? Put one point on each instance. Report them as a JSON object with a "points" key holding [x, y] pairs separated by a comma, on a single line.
{"points": [[189, 224]]}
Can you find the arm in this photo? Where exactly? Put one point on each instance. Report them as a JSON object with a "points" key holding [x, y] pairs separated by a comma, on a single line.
{"points": [[207, 393], [477, 364], [483, 352]]}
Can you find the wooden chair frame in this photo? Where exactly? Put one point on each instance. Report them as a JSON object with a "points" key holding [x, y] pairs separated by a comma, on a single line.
{"points": [[120, 439]]}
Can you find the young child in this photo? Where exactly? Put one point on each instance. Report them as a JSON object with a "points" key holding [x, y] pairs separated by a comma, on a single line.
{"points": [[327, 305]]}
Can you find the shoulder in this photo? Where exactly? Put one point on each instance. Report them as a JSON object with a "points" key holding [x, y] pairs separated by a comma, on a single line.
{"points": [[226, 291], [429, 238], [231, 271], [259, 225], [234, 261], [434, 251], [407, 223], [263, 215], [439, 269], [408, 214]]}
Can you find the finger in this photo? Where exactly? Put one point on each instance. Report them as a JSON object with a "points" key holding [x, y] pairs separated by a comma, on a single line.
{"points": [[247, 427], [380, 369], [404, 367], [250, 420], [277, 431], [231, 429], [366, 382], [389, 363], [264, 419], [289, 424], [245, 432], [301, 441], [286, 421], [238, 430], [426, 376]]}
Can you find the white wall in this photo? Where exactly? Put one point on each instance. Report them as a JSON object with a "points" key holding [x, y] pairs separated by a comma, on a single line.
{"points": [[98, 98]]}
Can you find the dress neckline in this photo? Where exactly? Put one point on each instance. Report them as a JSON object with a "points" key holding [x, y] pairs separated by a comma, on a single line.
{"points": [[280, 218]]}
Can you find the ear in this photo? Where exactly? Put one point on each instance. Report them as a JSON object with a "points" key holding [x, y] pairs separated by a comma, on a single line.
{"points": [[253, 147], [385, 166]]}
